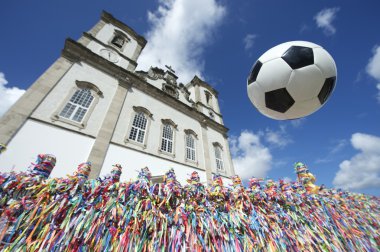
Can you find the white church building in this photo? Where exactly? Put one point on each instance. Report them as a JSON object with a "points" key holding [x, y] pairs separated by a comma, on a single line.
{"points": [[92, 105]]}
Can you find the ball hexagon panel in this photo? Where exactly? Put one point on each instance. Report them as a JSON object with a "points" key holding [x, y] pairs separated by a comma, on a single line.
{"points": [[324, 61], [298, 56], [254, 72], [304, 108], [278, 100], [305, 83], [274, 74], [327, 88], [256, 95]]}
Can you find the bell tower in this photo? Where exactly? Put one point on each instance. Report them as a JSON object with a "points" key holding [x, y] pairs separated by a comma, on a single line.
{"points": [[114, 41], [205, 98]]}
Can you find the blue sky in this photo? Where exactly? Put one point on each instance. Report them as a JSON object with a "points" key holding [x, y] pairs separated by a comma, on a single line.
{"points": [[220, 40]]}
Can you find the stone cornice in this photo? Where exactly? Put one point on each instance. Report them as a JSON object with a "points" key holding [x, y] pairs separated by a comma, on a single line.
{"points": [[76, 52], [190, 131], [144, 110], [207, 107], [108, 18], [86, 84], [217, 144], [169, 121]]}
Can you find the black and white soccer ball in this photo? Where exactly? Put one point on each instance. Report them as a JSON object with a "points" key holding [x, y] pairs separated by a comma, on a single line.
{"points": [[292, 80]]}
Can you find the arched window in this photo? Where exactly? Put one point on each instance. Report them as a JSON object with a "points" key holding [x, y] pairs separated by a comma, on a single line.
{"points": [[219, 157], [139, 126], [80, 102], [190, 145], [78, 105], [168, 137], [208, 98], [119, 40]]}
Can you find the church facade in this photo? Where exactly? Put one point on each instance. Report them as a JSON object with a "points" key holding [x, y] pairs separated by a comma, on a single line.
{"points": [[92, 105]]}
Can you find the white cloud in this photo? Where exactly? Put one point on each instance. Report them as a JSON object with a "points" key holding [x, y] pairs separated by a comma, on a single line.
{"points": [[250, 156], [324, 20], [276, 138], [296, 123], [373, 68], [180, 31], [8, 96], [323, 160], [304, 28], [249, 41], [339, 145], [363, 169]]}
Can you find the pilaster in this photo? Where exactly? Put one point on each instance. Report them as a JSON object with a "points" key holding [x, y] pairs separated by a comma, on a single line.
{"points": [[231, 165], [217, 109], [17, 115], [137, 52], [197, 96], [206, 152], [100, 147]]}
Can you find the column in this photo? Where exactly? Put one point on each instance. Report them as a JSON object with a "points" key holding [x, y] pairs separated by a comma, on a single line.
{"points": [[103, 139], [232, 169], [206, 151], [17, 115]]}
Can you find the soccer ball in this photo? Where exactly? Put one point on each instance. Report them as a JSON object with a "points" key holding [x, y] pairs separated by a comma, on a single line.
{"points": [[292, 80]]}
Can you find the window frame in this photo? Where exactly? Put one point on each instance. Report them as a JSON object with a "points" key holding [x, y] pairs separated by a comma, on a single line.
{"points": [[173, 126], [118, 33], [80, 85], [149, 117], [189, 132], [209, 98], [218, 161]]}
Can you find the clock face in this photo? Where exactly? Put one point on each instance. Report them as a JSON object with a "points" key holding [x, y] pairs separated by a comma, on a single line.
{"points": [[109, 55]]}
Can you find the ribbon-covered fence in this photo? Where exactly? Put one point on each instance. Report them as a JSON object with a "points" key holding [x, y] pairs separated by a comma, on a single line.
{"points": [[79, 214]]}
